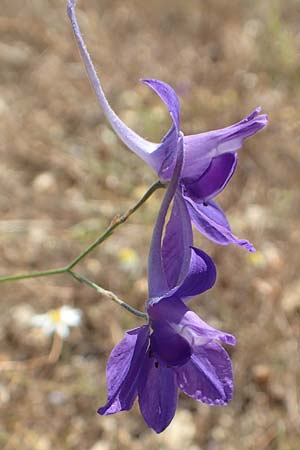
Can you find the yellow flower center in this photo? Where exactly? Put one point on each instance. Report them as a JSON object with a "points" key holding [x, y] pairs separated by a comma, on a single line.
{"points": [[127, 255], [55, 315]]}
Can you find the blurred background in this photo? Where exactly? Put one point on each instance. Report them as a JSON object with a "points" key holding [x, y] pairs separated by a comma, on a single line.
{"points": [[64, 175]]}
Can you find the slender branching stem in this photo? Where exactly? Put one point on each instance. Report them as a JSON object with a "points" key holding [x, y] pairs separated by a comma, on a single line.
{"points": [[108, 294], [42, 273], [116, 222]]}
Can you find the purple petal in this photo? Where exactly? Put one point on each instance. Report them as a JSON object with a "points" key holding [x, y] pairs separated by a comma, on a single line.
{"points": [[157, 280], [162, 311], [168, 96], [167, 150], [177, 242], [214, 179], [123, 369], [199, 332], [211, 221], [201, 148], [208, 375], [201, 275], [168, 345], [165, 155], [143, 148], [158, 394], [186, 322]]}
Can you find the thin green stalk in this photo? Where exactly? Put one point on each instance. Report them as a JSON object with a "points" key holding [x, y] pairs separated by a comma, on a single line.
{"points": [[44, 273], [109, 294], [118, 220]]}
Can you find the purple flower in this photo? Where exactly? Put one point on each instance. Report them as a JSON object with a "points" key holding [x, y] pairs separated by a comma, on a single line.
{"points": [[210, 158], [175, 349]]}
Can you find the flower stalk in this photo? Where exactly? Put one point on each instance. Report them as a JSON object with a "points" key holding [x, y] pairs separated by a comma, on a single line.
{"points": [[108, 294], [116, 222]]}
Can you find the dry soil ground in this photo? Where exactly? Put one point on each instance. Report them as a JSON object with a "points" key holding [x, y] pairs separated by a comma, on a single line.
{"points": [[64, 175]]}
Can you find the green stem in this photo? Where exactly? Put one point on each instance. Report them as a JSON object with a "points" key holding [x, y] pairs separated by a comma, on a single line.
{"points": [[118, 220], [25, 276], [109, 294]]}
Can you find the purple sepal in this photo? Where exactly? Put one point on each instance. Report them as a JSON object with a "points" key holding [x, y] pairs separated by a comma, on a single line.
{"points": [[201, 275], [187, 322], [214, 179], [167, 150], [158, 395], [201, 148], [177, 242], [168, 96], [207, 376], [168, 344], [211, 221], [123, 369], [157, 280]]}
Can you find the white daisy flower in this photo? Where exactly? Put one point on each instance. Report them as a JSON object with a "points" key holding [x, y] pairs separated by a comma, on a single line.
{"points": [[57, 320]]}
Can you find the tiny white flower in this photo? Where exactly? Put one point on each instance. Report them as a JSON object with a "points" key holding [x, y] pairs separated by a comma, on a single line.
{"points": [[57, 320]]}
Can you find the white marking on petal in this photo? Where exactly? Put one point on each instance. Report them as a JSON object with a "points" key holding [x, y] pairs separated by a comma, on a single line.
{"points": [[193, 338]]}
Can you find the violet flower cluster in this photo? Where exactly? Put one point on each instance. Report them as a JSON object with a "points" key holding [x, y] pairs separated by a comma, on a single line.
{"points": [[176, 349]]}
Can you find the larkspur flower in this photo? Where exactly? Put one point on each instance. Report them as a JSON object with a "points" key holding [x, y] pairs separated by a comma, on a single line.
{"points": [[210, 158], [57, 320], [175, 349]]}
